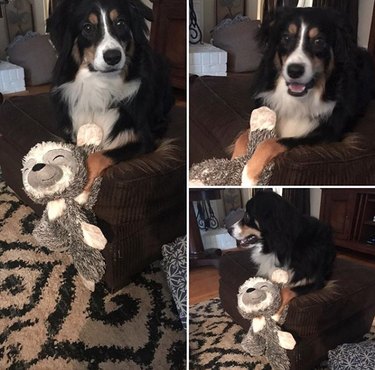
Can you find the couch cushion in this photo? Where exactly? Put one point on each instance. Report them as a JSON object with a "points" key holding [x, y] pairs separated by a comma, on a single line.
{"points": [[316, 312], [354, 356], [175, 266], [232, 39], [27, 54]]}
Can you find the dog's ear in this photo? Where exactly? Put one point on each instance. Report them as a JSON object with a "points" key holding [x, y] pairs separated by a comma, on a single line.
{"points": [[344, 42], [142, 9], [139, 14], [57, 26], [277, 219], [270, 26]]}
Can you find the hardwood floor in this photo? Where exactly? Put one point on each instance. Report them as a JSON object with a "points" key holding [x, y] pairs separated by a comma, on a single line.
{"points": [[204, 281], [203, 284]]}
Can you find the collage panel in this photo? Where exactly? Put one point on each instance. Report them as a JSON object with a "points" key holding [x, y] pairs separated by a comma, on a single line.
{"points": [[93, 240], [281, 278], [281, 93]]}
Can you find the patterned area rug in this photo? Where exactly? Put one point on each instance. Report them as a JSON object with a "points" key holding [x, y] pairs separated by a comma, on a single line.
{"points": [[215, 340], [48, 320]]}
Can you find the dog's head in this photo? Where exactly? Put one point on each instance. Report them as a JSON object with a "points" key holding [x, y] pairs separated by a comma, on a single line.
{"points": [[305, 45], [268, 216], [102, 34]]}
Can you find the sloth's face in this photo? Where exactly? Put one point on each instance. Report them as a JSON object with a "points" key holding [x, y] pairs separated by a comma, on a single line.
{"points": [[47, 172]]}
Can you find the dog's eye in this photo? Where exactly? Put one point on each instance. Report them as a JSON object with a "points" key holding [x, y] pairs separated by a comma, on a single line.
{"points": [[285, 38], [120, 23], [246, 218], [88, 28], [320, 43]]}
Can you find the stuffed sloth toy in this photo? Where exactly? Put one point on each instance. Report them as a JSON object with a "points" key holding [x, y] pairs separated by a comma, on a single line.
{"points": [[259, 300], [55, 174], [225, 172]]}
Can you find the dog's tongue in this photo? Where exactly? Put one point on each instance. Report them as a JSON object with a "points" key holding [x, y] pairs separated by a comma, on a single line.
{"points": [[297, 88]]}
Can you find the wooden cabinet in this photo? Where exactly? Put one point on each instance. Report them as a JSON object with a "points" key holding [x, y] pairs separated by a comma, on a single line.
{"points": [[350, 212], [168, 36]]}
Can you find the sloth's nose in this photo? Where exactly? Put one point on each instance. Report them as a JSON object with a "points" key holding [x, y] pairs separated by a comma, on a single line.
{"points": [[38, 167], [250, 290]]}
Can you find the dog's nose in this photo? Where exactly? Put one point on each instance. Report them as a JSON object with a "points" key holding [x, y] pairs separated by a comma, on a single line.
{"points": [[250, 290], [38, 167], [295, 70], [112, 56]]}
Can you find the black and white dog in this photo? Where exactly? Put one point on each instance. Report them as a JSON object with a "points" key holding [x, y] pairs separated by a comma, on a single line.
{"points": [[107, 74], [313, 75], [280, 237]]}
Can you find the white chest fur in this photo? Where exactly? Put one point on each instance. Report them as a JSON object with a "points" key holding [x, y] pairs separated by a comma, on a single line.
{"points": [[267, 263], [90, 98], [296, 116]]}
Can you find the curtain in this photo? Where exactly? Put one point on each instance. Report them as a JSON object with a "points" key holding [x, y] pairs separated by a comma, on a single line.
{"points": [[300, 198], [270, 5], [346, 7], [51, 6]]}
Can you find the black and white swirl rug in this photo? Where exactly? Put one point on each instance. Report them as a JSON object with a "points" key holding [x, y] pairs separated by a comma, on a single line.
{"points": [[48, 320]]}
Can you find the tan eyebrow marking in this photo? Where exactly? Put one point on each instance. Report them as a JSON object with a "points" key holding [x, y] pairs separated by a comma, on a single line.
{"points": [[313, 32], [113, 14], [93, 18], [293, 28]]}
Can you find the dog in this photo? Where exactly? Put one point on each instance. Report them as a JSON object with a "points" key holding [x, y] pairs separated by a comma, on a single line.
{"points": [[280, 237], [107, 74], [314, 76]]}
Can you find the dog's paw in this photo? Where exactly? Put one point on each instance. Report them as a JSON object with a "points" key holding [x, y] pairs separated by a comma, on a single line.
{"points": [[262, 118], [246, 179], [280, 276], [89, 134]]}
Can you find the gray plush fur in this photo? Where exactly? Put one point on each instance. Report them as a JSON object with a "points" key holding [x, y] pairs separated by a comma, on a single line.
{"points": [[64, 232], [259, 298], [225, 172]]}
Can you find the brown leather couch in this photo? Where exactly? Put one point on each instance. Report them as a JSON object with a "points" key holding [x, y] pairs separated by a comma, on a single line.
{"points": [[138, 209], [220, 109], [319, 321]]}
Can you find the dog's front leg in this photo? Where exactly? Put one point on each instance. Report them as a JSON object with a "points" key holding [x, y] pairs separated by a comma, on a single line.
{"points": [[96, 163], [265, 152], [286, 296]]}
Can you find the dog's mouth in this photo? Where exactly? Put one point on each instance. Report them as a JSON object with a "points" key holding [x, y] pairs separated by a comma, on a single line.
{"points": [[110, 70], [249, 241], [298, 89]]}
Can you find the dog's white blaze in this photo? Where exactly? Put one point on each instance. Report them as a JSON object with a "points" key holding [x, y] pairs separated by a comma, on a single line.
{"points": [[299, 56], [89, 97], [108, 42], [296, 117]]}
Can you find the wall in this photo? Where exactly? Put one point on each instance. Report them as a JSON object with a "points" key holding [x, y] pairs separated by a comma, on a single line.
{"points": [[3, 37], [365, 16], [315, 198]]}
